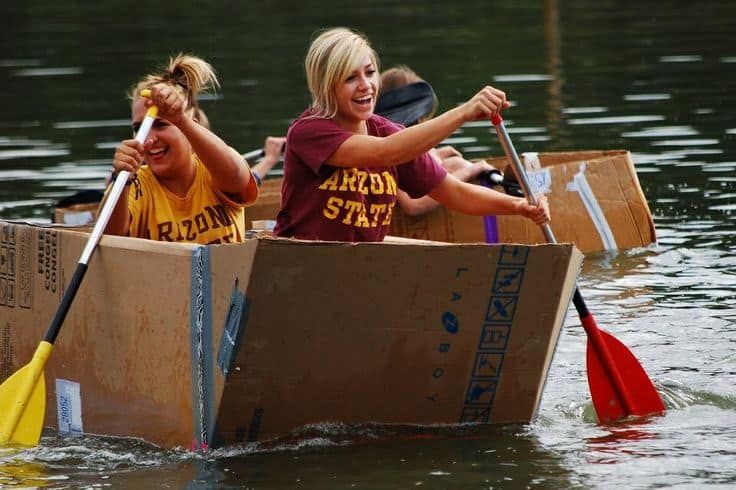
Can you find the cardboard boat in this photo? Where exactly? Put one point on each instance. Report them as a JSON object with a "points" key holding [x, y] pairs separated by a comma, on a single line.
{"points": [[187, 345], [595, 200]]}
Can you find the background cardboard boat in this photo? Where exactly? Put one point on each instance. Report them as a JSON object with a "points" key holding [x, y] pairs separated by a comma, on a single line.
{"points": [[595, 199]]}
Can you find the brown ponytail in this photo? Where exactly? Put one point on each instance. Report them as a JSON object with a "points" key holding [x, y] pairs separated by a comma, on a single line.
{"points": [[189, 74]]}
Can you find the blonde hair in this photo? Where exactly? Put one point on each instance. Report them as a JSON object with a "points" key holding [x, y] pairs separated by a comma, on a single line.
{"points": [[399, 76], [332, 56], [188, 74]]}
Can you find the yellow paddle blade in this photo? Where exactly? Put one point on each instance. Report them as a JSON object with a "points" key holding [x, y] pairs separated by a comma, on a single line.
{"points": [[23, 402]]}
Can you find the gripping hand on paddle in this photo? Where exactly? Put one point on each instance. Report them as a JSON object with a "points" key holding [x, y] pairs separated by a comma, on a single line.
{"points": [[487, 102], [170, 102], [129, 156], [538, 213]]}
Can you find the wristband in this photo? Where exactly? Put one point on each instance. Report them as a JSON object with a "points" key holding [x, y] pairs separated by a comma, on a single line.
{"points": [[256, 178]]}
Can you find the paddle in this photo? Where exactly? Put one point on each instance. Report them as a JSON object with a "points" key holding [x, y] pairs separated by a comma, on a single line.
{"points": [[407, 104], [619, 386], [23, 395], [254, 154]]}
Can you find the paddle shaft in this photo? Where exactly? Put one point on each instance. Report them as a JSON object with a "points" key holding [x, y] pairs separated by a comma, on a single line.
{"points": [[254, 154], [586, 318], [94, 238]]}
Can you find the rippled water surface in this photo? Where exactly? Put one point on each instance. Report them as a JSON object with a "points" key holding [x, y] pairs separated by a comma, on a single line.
{"points": [[658, 80]]}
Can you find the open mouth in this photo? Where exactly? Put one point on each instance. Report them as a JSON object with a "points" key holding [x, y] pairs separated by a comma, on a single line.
{"points": [[364, 101], [157, 152]]}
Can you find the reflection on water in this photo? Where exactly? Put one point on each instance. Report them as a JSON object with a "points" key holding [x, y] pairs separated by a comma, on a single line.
{"points": [[658, 82]]}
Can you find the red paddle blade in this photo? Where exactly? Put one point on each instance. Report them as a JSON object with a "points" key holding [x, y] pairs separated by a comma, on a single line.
{"points": [[633, 395]]}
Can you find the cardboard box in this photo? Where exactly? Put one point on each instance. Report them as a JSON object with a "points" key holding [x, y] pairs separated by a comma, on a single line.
{"points": [[595, 200], [78, 209], [187, 345], [268, 204], [76, 214]]}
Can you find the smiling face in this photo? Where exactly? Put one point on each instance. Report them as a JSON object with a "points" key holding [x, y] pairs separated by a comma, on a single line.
{"points": [[356, 95], [169, 151]]}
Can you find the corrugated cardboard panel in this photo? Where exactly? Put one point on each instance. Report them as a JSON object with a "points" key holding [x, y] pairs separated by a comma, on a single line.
{"points": [[126, 339], [393, 333], [187, 345], [595, 200], [268, 204]]}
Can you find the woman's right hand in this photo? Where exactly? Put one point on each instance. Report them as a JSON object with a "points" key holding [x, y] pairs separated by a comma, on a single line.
{"points": [[486, 103], [128, 157]]}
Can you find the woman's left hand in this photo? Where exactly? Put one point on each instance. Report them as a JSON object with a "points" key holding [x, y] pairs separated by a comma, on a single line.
{"points": [[539, 213], [171, 103]]}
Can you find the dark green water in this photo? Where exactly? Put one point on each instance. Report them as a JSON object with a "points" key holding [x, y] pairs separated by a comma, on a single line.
{"points": [[658, 79]]}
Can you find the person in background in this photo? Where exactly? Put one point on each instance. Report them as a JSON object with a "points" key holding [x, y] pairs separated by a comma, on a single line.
{"points": [[273, 147], [400, 76], [344, 164], [186, 183]]}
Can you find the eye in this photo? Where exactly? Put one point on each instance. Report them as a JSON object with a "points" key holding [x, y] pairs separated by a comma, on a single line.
{"points": [[136, 127], [350, 77]]}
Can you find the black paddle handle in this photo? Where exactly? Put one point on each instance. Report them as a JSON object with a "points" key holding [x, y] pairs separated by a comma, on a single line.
{"points": [[66, 303]]}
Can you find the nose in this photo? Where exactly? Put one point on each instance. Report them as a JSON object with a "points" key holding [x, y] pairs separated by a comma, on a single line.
{"points": [[364, 82]]}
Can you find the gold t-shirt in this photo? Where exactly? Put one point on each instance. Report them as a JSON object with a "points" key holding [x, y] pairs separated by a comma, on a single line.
{"points": [[205, 215]]}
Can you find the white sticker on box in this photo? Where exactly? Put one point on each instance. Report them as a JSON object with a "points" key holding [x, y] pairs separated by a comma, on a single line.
{"points": [[531, 160], [69, 407], [540, 181], [78, 218]]}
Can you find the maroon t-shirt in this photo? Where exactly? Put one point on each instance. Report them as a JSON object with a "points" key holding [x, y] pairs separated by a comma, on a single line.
{"points": [[322, 202]]}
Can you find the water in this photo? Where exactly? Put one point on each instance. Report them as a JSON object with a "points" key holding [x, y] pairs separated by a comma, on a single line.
{"points": [[656, 80]]}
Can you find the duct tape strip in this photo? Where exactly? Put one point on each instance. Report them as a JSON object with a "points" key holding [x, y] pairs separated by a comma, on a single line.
{"points": [[237, 318], [201, 347], [581, 185]]}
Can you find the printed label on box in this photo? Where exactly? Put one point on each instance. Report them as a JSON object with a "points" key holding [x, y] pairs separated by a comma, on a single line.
{"points": [[69, 407]]}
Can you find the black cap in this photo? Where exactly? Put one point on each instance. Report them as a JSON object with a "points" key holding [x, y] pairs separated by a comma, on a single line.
{"points": [[408, 104]]}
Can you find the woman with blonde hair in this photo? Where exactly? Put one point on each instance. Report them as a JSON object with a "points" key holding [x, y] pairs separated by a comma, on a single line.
{"points": [[344, 164], [186, 184]]}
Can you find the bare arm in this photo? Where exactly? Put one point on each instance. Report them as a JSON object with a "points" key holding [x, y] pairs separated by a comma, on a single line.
{"points": [[481, 201], [463, 170], [272, 149], [119, 223], [229, 172], [407, 144], [415, 207], [128, 157]]}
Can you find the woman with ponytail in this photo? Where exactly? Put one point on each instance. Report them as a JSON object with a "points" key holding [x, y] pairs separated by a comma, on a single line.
{"points": [[186, 184]]}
